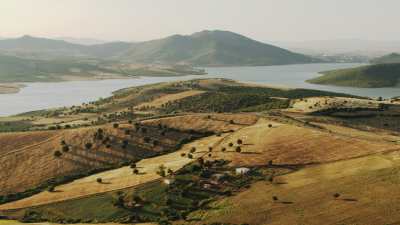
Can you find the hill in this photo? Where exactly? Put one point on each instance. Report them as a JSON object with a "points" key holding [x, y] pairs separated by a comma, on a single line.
{"points": [[206, 48], [371, 76], [179, 151], [212, 48], [16, 69], [391, 58]]}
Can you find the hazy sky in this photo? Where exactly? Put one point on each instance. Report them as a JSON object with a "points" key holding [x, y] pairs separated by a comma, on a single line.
{"points": [[136, 20]]}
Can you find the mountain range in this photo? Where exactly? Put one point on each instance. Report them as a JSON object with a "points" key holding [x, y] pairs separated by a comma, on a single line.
{"points": [[352, 47], [206, 48]]}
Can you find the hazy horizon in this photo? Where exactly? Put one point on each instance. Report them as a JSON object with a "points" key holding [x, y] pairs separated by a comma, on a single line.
{"points": [[264, 20]]}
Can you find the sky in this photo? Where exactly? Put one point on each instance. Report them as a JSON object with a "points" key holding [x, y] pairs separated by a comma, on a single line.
{"points": [[139, 20]]}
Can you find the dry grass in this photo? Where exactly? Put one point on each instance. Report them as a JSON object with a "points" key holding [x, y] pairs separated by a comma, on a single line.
{"points": [[27, 159], [116, 179], [314, 104], [368, 190], [158, 102], [207, 122], [294, 145]]}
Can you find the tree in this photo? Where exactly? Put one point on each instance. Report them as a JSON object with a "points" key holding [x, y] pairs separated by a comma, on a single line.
{"points": [[239, 141], [193, 150], [57, 154], [63, 142], [135, 171], [161, 170], [336, 195], [190, 156], [99, 180], [230, 144], [133, 165], [275, 198], [223, 149], [65, 148], [271, 179], [210, 149], [115, 125], [238, 149], [51, 188], [88, 145], [170, 172], [183, 154]]}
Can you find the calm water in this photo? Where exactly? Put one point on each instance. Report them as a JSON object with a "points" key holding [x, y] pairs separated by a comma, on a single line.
{"points": [[295, 76], [48, 95]]}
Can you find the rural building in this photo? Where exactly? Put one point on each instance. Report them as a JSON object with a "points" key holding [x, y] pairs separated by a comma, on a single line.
{"points": [[242, 170]]}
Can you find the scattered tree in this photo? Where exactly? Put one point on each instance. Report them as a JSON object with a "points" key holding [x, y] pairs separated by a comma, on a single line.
{"points": [[336, 195], [161, 170], [65, 148], [88, 145], [57, 154], [99, 180]]}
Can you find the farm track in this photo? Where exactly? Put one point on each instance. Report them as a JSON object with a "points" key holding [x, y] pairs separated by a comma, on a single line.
{"points": [[32, 146]]}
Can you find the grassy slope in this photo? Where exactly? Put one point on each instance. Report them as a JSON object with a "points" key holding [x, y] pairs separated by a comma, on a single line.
{"points": [[306, 196], [373, 76]]}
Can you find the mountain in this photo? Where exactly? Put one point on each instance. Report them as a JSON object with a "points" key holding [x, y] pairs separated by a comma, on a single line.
{"points": [[371, 76], [352, 47], [212, 48], [29, 43], [206, 48], [40, 47], [82, 41], [391, 58]]}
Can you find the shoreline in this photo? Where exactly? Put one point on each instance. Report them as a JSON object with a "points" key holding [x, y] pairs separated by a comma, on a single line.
{"points": [[11, 88], [14, 87]]}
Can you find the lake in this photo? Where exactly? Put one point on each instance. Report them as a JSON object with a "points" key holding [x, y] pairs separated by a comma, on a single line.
{"points": [[48, 95]]}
